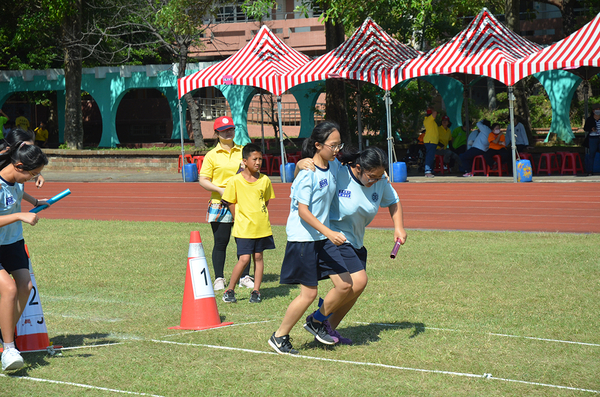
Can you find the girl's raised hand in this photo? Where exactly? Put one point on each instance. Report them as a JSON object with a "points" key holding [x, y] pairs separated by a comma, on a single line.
{"points": [[29, 217]]}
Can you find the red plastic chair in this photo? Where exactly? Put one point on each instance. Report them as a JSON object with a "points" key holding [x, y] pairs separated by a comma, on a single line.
{"points": [[502, 167], [571, 163], [266, 164], [198, 160], [439, 164], [550, 164], [275, 163], [188, 160], [479, 165]]}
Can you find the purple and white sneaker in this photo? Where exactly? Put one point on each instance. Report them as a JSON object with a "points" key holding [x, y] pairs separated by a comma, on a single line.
{"points": [[336, 335]]}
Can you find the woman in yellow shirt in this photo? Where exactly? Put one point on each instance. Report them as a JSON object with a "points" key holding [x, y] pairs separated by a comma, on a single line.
{"points": [[219, 165]]}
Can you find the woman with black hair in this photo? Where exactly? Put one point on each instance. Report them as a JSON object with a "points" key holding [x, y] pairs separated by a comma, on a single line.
{"points": [[362, 187]]}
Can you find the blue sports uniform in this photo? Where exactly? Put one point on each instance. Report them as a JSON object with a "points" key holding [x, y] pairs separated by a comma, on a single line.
{"points": [[309, 255], [12, 246], [353, 208]]}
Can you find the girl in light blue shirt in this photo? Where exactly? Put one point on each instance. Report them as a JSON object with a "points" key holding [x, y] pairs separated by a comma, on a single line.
{"points": [[362, 187], [311, 252]]}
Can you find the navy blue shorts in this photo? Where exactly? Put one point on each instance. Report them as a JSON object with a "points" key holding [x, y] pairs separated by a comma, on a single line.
{"points": [[14, 257], [307, 262], [355, 259], [247, 246]]}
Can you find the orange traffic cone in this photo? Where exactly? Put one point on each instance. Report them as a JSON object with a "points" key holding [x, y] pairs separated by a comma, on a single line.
{"points": [[32, 335], [199, 309]]}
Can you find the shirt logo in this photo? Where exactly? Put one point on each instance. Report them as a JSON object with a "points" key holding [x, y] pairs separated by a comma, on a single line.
{"points": [[374, 197], [10, 200], [323, 183], [344, 193]]}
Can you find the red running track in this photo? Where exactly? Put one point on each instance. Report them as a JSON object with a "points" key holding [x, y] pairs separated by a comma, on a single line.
{"points": [[549, 207]]}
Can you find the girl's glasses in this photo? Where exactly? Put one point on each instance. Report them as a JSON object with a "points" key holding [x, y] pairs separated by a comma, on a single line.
{"points": [[334, 147]]}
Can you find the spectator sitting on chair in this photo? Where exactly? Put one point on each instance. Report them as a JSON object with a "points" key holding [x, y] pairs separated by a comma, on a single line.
{"points": [[459, 140], [521, 141], [443, 148], [496, 147], [480, 146]]}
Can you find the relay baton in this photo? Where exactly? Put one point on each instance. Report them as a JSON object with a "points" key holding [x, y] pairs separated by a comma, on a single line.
{"points": [[395, 249], [50, 201]]}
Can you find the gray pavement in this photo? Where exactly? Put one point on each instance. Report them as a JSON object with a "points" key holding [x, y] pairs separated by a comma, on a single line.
{"points": [[127, 175]]}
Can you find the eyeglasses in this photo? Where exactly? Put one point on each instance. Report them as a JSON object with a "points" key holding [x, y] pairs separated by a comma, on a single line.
{"points": [[369, 180], [335, 147], [32, 174]]}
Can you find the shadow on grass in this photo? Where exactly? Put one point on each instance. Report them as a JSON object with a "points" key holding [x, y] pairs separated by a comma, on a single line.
{"points": [[37, 359], [366, 333]]}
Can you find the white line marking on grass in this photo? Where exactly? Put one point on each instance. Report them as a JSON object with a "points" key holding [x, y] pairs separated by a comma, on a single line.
{"points": [[488, 333], [87, 346], [210, 329], [431, 371], [97, 319], [58, 382]]}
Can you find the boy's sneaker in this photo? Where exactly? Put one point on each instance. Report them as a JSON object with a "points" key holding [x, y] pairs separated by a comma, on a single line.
{"points": [[255, 297], [247, 282], [282, 345], [319, 331], [309, 319], [468, 174], [219, 284], [229, 296], [11, 360]]}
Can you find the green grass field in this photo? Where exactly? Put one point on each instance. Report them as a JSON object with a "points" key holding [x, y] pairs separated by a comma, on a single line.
{"points": [[450, 308]]}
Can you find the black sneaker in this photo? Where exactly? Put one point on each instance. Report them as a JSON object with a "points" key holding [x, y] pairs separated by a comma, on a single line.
{"points": [[319, 331], [229, 296], [255, 297], [282, 345]]}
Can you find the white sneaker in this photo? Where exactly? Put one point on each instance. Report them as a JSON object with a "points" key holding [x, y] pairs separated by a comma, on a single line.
{"points": [[11, 360], [247, 282], [219, 284]]}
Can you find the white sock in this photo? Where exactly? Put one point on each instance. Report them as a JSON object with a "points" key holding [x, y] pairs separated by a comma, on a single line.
{"points": [[10, 345]]}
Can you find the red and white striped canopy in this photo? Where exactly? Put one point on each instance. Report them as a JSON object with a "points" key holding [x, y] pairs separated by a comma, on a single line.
{"points": [[370, 55], [580, 49], [485, 48], [260, 63]]}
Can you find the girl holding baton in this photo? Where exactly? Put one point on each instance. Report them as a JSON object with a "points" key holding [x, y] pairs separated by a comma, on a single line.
{"points": [[19, 164], [362, 187]]}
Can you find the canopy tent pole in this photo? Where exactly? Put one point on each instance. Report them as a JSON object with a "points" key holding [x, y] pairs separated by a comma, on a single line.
{"points": [[283, 177], [511, 106], [181, 136], [359, 117], [262, 124], [388, 105]]}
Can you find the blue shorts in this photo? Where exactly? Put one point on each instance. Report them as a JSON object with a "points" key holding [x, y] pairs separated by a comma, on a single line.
{"points": [[307, 262], [247, 246], [14, 257], [355, 259]]}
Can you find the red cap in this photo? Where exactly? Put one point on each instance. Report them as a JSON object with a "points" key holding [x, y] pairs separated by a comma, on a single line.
{"points": [[223, 123], [429, 111], [446, 118]]}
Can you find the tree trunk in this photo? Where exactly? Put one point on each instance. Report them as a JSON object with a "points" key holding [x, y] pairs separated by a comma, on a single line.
{"points": [[335, 99], [191, 104], [568, 15], [492, 103], [71, 31], [511, 11]]}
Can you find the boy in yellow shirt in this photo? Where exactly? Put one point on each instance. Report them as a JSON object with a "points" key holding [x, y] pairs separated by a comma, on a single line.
{"points": [[250, 192]]}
